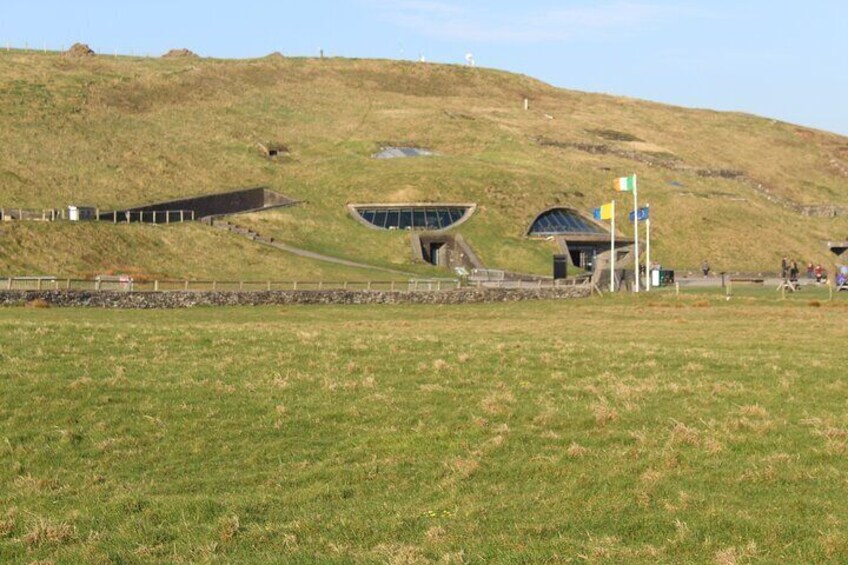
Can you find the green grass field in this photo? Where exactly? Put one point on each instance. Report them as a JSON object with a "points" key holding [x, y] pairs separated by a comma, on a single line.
{"points": [[616, 429]]}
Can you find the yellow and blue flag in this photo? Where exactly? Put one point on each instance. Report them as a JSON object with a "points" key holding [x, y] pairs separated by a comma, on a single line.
{"points": [[604, 212]]}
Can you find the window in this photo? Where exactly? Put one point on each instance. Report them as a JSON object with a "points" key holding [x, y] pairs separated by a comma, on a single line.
{"points": [[563, 220], [421, 217]]}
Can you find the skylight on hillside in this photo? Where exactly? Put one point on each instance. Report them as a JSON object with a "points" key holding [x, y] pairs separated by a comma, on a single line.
{"points": [[412, 216], [562, 221], [401, 152]]}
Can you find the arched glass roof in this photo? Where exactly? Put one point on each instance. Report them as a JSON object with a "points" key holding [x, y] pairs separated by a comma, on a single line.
{"points": [[562, 221], [412, 217]]}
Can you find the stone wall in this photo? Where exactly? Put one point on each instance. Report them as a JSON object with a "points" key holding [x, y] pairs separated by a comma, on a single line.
{"points": [[143, 300]]}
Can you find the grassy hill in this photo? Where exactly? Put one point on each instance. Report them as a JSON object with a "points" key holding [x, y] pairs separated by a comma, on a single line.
{"points": [[122, 131]]}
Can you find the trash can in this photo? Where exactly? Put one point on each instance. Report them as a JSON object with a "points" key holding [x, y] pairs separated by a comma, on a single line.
{"points": [[655, 278], [560, 266]]}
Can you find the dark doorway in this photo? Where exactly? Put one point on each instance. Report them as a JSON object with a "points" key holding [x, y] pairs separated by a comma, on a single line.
{"points": [[434, 253], [583, 256]]}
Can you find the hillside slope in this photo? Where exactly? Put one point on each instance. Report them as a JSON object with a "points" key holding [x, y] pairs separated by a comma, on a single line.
{"points": [[123, 131]]}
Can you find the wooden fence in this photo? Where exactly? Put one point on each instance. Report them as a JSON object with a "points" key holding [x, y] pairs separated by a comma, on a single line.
{"points": [[130, 285]]}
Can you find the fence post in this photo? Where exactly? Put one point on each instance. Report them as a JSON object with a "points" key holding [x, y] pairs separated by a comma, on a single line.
{"points": [[438, 285], [9, 284], [182, 216], [156, 285], [344, 285], [320, 285], [38, 286], [269, 286], [369, 285], [214, 285], [97, 284], [67, 284], [154, 216], [241, 286], [294, 285]]}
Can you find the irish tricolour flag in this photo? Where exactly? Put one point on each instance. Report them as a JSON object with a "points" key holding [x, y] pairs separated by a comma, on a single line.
{"points": [[625, 184]]}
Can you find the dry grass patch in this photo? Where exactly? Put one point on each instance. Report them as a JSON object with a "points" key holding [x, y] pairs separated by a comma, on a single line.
{"points": [[42, 531], [604, 413]]}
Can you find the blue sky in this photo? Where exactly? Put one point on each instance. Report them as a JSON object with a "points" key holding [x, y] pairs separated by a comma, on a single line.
{"points": [[781, 59]]}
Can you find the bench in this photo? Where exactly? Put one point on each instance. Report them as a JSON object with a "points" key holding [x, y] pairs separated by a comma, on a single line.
{"points": [[751, 280], [790, 285]]}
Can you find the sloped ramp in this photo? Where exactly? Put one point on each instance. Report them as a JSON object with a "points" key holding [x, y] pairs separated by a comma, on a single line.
{"points": [[207, 205]]}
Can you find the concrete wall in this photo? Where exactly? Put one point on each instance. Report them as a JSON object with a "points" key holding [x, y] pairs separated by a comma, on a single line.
{"points": [[216, 204], [145, 300]]}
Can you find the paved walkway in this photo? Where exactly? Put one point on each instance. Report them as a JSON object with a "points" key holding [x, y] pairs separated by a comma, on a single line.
{"points": [[254, 236]]}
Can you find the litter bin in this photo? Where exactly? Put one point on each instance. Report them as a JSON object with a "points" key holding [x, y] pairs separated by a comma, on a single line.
{"points": [[560, 266]]}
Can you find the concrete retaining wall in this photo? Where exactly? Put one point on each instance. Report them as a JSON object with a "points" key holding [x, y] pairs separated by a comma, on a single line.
{"points": [[144, 300], [223, 203]]}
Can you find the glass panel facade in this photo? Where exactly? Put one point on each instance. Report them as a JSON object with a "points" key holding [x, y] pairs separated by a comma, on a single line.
{"points": [[416, 218], [563, 220]]}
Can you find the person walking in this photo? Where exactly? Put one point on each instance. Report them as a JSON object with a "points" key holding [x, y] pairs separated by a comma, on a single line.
{"points": [[810, 270], [819, 272], [705, 267], [793, 271], [784, 267]]}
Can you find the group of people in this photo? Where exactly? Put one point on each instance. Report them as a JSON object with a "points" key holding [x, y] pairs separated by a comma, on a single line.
{"points": [[789, 270]]}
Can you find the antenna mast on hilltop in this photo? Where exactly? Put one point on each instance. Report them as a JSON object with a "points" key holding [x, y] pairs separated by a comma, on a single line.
{"points": [[469, 60]]}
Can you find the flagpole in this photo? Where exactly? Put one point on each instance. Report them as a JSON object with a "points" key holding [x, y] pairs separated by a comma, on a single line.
{"points": [[648, 248], [636, 227], [612, 250]]}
